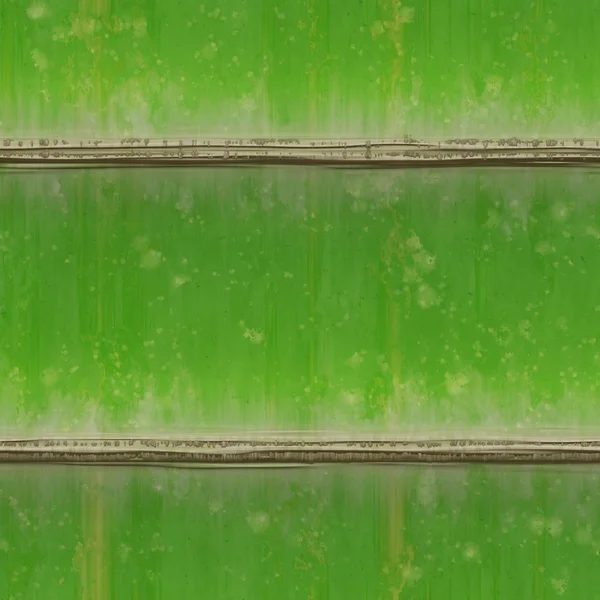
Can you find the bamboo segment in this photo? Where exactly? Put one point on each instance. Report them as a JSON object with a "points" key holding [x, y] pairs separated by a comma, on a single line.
{"points": [[330, 68], [417, 532], [184, 302]]}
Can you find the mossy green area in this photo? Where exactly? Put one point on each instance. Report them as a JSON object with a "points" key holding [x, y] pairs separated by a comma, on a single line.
{"points": [[332, 533], [186, 301], [321, 68]]}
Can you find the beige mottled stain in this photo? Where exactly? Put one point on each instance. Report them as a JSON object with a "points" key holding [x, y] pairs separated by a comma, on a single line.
{"points": [[538, 562], [393, 250], [312, 285], [312, 71], [395, 17], [95, 8], [7, 64], [320, 58], [427, 26], [313, 550], [271, 354], [400, 554], [100, 260], [86, 21], [312, 236], [533, 41], [89, 559], [98, 566]]}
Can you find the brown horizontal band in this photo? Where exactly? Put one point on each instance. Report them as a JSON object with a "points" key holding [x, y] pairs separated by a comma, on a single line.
{"points": [[247, 451], [404, 153]]}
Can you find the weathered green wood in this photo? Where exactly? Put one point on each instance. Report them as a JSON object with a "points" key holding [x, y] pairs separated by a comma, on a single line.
{"points": [[333, 68], [186, 300]]}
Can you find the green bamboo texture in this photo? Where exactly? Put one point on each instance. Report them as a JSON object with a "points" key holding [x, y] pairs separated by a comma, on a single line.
{"points": [[187, 301], [182, 300], [329, 68], [379, 533]]}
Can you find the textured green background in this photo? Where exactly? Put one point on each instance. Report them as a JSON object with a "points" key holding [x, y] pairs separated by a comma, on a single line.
{"points": [[172, 301], [372, 534], [179, 300], [182, 300], [300, 67]]}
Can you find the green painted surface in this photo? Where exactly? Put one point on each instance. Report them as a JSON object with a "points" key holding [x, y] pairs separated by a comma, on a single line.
{"points": [[182, 300], [377, 533], [312, 67]]}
